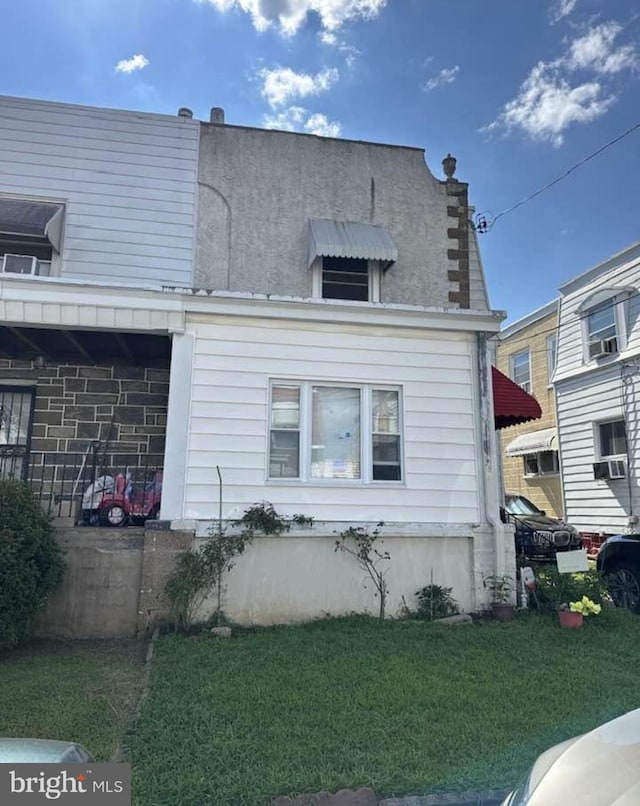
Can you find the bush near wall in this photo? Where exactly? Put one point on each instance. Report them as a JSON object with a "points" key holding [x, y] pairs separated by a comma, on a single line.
{"points": [[31, 562]]}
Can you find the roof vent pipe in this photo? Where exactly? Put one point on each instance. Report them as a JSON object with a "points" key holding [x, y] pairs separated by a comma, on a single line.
{"points": [[217, 115], [185, 112]]}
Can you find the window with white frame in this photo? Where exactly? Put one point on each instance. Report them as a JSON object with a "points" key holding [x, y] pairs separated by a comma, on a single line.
{"points": [[552, 354], [30, 235], [602, 330], [521, 369], [347, 279], [323, 431], [612, 439], [542, 463]]}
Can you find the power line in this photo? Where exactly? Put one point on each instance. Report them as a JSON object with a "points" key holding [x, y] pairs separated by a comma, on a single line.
{"points": [[484, 222]]}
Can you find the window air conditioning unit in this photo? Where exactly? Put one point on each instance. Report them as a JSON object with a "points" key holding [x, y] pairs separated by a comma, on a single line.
{"points": [[602, 347], [20, 264], [610, 469]]}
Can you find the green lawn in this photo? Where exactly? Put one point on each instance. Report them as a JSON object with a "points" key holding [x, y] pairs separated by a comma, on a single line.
{"points": [[404, 707], [82, 691]]}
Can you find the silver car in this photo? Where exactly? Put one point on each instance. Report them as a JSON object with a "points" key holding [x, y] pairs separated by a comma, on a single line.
{"points": [[599, 768], [42, 751]]}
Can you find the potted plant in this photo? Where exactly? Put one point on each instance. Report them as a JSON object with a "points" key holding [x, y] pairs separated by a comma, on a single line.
{"points": [[501, 587], [572, 614]]}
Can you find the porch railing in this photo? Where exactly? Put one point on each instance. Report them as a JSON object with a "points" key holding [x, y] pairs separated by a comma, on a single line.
{"points": [[81, 486]]}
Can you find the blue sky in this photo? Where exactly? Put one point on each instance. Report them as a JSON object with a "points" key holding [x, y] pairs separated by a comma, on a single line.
{"points": [[518, 91]]}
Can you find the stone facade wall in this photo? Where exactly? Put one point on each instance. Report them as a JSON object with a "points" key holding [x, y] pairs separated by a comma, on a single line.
{"points": [[544, 491], [119, 410]]}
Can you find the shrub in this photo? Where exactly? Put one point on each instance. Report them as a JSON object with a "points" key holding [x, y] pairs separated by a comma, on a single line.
{"points": [[553, 588], [31, 562], [435, 602]]}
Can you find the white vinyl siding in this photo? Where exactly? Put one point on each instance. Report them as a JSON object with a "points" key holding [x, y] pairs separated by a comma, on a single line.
{"points": [[234, 363], [128, 181]]}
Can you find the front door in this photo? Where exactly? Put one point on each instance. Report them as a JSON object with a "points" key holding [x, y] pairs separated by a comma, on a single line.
{"points": [[16, 414]]}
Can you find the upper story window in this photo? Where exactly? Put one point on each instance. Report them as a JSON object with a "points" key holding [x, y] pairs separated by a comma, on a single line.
{"points": [[604, 322], [552, 354], [521, 369], [602, 330], [612, 439], [348, 259], [321, 431], [30, 235]]}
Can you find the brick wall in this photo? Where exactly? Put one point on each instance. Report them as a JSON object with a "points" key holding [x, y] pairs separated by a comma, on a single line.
{"points": [[544, 491]]}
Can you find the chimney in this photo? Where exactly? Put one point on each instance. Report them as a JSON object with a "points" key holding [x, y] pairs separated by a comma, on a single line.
{"points": [[217, 115], [185, 112]]}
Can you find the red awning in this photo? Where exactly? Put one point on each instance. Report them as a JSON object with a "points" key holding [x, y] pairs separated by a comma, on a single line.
{"points": [[511, 404]]}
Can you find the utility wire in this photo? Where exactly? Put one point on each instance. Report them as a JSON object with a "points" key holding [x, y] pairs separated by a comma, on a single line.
{"points": [[484, 222]]}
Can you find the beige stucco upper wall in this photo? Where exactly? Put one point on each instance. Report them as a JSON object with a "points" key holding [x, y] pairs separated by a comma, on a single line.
{"points": [[259, 188]]}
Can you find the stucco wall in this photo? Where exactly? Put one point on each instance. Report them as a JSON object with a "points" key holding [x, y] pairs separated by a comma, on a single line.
{"points": [[258, 189], [544, 491]]}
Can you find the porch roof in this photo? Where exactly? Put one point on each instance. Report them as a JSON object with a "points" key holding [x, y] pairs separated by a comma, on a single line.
{"points": [[85, 346]]}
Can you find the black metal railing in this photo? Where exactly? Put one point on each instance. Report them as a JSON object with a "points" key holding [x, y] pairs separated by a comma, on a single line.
{"points": [[93, 489]]}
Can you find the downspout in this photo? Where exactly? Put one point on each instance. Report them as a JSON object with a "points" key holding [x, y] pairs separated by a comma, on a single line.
{"points": [[491, 479]]}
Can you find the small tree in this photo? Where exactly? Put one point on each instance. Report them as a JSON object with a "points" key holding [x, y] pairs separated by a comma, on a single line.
{"points": [[31, 562], [369, 558]]}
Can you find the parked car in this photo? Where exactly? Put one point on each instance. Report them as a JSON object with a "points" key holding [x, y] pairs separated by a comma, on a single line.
{"points": [[42, 751], [538, 536], [619, 562], [599, 768]]}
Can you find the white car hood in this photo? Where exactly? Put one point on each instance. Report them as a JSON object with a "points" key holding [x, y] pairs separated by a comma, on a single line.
{"points": [[600, 768]]}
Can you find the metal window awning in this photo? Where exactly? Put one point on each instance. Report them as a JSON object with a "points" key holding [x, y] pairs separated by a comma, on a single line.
{"points": [[32, 219], [350, 239], [546, 439]]}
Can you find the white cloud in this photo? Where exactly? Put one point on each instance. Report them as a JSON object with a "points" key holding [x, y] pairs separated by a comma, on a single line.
{"points": [[298, 119], [327, 38], [547, 104], [282, 84], [446, 76], [561, 9], [550, 99], [290, 15], [597, 50], [320, 125], [350, 52], [137, 62]]}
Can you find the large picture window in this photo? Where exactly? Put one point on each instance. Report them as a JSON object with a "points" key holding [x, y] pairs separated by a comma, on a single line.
{"points": [[322, 431]]}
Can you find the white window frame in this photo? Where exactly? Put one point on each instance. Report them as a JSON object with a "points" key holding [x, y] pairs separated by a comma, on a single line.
{"points": [[512, 359], [541, 472], [53, 267], [366, 433], [618, 301], [552, 355], [597, 439], [375, 281]]}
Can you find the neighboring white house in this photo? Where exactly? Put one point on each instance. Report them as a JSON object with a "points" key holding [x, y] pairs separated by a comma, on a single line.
{"points": [[326, 324], [597, 385]]}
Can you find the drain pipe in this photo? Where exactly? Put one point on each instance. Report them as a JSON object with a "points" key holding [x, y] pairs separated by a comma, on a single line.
{"points": [[491, 476]]}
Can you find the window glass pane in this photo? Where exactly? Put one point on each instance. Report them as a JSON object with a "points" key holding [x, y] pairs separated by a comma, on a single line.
{"points": [[548, 461], [531, 464], [284, 455], [345, 278], [335, 433], [602, 323], [285, 407], [613, 438], [386, 457], [520, 368], [552, 353], [384, 412]]}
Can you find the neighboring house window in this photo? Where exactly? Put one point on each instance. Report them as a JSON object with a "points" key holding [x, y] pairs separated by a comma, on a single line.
{"points": [[30, 235], [521, 369], [349, 279], [552, 354], [612, 439], [16, 411], [543, 463], [602, 330], [323, 431]]}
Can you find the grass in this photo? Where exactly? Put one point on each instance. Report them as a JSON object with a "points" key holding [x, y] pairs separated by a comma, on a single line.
{"points": [[82, 691], [405, 707]]}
